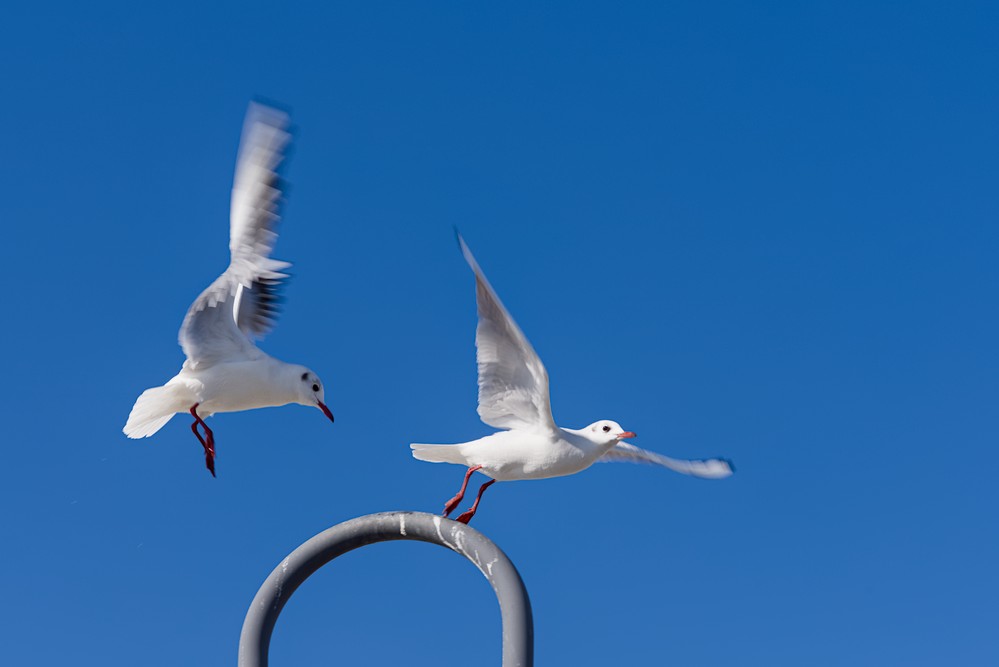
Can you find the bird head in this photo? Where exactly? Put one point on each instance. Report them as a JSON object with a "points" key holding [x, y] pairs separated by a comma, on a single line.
{"points": [[310, 391], [606, 432]]}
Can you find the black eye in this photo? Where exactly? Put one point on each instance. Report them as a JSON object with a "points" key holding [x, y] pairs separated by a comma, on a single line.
{"points": [[315, 387], [305, 377], [606, 429]]}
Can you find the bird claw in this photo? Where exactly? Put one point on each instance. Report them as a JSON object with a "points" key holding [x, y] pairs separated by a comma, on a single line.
{"points": [[208, 442], [450, 505], [465, 517]]}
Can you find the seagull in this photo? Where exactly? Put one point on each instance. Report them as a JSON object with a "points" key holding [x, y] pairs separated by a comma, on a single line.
{"points": [[225, 371], [514, 396]]}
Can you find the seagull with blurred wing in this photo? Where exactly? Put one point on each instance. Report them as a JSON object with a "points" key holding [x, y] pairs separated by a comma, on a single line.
{"points": [[225, 371]]}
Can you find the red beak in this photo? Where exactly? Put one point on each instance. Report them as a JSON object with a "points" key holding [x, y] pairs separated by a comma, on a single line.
{"points": [[326, 411], [620, 436]]}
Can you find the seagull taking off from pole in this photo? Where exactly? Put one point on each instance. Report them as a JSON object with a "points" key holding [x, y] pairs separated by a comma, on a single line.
{"points": [[513, 395], [225, 371]]}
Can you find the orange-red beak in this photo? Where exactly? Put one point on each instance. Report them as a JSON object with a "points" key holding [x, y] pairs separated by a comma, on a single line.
{"points": [[620, 436], [326, 411]]}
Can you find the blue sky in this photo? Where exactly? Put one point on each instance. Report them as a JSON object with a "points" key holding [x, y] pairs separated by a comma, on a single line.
{"points": [[764, 233]]}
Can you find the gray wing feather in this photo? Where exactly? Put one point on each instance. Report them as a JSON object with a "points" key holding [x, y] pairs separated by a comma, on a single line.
{"points": [[706, 468]]}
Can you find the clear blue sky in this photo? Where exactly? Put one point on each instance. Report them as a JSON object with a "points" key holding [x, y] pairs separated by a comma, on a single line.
{"points": [[764, 233]]}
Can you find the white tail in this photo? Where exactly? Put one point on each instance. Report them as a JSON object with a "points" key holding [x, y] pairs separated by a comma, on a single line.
{"points": [[439, 453], [153, 409]]}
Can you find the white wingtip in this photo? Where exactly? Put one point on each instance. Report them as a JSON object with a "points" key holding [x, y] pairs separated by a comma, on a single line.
{"points": [[712, 468]]}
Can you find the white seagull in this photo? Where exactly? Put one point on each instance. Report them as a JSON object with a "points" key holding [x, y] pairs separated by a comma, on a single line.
{"points": [[225, 371], [513, 395]]}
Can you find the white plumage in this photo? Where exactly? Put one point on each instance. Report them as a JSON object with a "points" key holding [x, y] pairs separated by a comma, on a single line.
{"points": [[514, 395], [225, 371]]}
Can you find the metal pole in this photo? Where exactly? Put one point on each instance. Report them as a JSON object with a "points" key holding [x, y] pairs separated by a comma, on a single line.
{"points": [[515, 607]]}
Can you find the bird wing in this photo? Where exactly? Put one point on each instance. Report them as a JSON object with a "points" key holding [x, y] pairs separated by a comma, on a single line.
{"points": [[242, 303], [513, 383], [706, 468]]}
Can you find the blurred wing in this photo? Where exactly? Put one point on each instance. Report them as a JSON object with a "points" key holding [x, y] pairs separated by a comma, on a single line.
{"points": [[257, 196], [513, 383], [706, 468], [256, 306], [209, 333], [242, 302]]}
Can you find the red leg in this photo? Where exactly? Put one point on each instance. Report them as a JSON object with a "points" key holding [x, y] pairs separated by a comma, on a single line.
{"points": [[210, 444], [467, 515], [451, 504]]}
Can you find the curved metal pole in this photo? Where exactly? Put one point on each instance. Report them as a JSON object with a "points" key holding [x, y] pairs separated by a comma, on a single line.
{"points": [[515, 607]]}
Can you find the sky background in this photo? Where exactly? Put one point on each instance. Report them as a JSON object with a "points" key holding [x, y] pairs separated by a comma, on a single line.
{"points": [[763, 232]]}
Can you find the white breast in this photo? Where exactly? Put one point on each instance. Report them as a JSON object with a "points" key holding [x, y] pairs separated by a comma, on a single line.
{"points": [[242, 385], [514, 455]]}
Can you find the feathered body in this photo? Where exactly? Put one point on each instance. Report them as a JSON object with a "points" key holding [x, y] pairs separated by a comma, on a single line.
{"points": [[512, 455], [231, 386]]}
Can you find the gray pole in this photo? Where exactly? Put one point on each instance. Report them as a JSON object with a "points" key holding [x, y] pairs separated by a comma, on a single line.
{"points": [[515, 607]]}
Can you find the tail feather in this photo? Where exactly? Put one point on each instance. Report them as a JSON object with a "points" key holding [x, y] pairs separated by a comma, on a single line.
{"points": [[438, 453], [153, 409]]}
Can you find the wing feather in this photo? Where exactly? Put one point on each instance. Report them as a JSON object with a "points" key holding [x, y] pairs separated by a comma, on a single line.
{"points": [[513, 383], [242, 303], [706, 468]]}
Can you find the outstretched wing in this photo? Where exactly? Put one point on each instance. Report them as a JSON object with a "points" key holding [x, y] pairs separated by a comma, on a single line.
{"points": [[513, 383], [242, 303], [706, 468]]}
